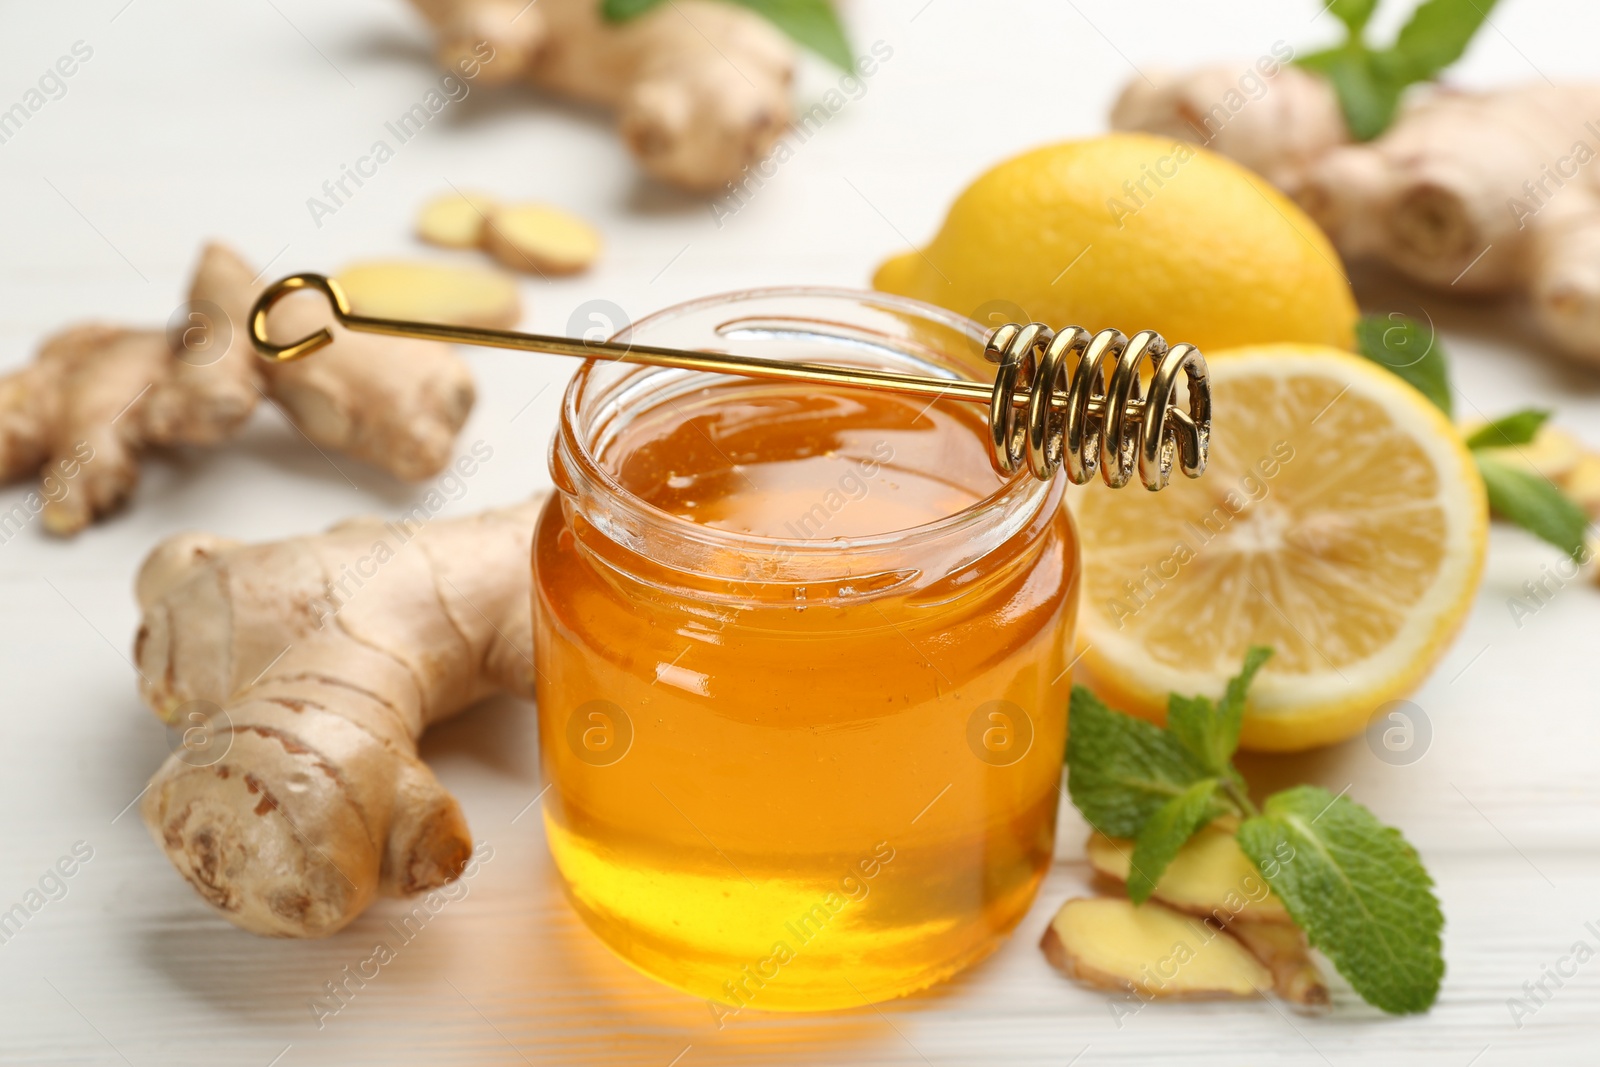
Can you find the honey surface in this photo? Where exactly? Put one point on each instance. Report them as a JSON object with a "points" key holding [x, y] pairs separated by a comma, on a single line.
{"points": [[803, 796]]}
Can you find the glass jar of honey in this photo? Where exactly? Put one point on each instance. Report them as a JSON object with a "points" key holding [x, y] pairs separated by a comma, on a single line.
{"points": [[802, 659]]}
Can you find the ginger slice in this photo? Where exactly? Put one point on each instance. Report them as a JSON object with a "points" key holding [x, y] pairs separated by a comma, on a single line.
{"points": [[1282, 949], [432, 292], [455, 220], [1150, 950], [1552, 454], [540, 239], [298, 795], [1210, 876]]}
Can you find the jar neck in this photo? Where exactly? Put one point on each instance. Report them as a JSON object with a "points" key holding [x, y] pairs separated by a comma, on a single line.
{"points": [[623, 533], [637, 541]]}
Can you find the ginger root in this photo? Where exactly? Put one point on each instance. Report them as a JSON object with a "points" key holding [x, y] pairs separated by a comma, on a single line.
{"points": [[432, 292], [1469, 192], [1149, 950], [1209, 877], [700, 87], [97, 396], [307, 682]]}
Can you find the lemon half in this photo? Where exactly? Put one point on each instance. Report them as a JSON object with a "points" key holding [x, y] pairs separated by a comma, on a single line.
{"points": [[1341, 521]]}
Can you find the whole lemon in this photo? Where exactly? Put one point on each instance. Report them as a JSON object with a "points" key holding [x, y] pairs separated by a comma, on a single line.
{"points": [[1139, 233]]}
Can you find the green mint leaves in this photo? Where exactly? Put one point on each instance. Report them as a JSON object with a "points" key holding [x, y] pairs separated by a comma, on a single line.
{"points": [[1168, 827], [1401, 345], [1123, 770], [1534, 503], [1369, 81], [1357, 889], [811, 23], [1353, 885], [1517, 428], [1209, 731]]}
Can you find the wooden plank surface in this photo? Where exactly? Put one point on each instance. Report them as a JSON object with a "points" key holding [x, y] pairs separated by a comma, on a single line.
{"points": [[196, 119]]}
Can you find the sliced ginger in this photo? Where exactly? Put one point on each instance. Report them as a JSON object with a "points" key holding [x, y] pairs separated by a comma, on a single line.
{"points": [[432, 292], [1150, 950], [455, 220], [540, 239], [1282, 949], [1210, 877]]}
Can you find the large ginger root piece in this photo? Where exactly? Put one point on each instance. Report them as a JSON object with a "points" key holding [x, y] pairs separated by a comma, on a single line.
{"points": [[1470, 192], [700, 87], [307, 669], [1149, 950], [97, 396]]}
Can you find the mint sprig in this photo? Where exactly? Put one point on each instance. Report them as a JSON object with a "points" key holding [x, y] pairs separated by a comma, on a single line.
{"points": [[1357, 889], [1353, 885], [1164, 833], [1399, 344], [1123, 769], [1536, 504], [1517, 428], [811, 23], [1369, 81]]}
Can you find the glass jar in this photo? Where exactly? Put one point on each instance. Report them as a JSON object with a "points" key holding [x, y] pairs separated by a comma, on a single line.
{"points": [[802, 660]]}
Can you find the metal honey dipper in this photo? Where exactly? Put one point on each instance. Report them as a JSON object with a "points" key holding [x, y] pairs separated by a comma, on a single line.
{"points": [[1093, 417]]}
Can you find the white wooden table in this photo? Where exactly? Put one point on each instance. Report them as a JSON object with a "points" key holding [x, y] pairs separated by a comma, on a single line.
{"points": [[193, 119]]}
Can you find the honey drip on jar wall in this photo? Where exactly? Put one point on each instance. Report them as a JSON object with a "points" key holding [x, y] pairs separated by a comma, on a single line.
{"points": [[795, 800]]}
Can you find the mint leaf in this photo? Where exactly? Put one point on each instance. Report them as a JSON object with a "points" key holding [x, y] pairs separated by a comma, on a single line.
{"points": [[1369, 82], [1534, 504], [1164, 833], [1121, 770], [813, 23], [622, 10], [1404, 347], [1368, 95], [1436, 36], [1211, 731], [1517, 428], [1353, 13], [1357, 889]]}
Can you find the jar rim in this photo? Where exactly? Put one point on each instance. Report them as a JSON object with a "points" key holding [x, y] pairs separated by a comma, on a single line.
{"points": [[1019, 496]]}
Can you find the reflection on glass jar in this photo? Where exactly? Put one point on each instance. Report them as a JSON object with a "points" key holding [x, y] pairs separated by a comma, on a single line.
{"points": [[802, 660]]}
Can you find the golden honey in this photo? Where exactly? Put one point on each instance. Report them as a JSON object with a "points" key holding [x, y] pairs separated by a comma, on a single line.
{"points": [[801, 665]]}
